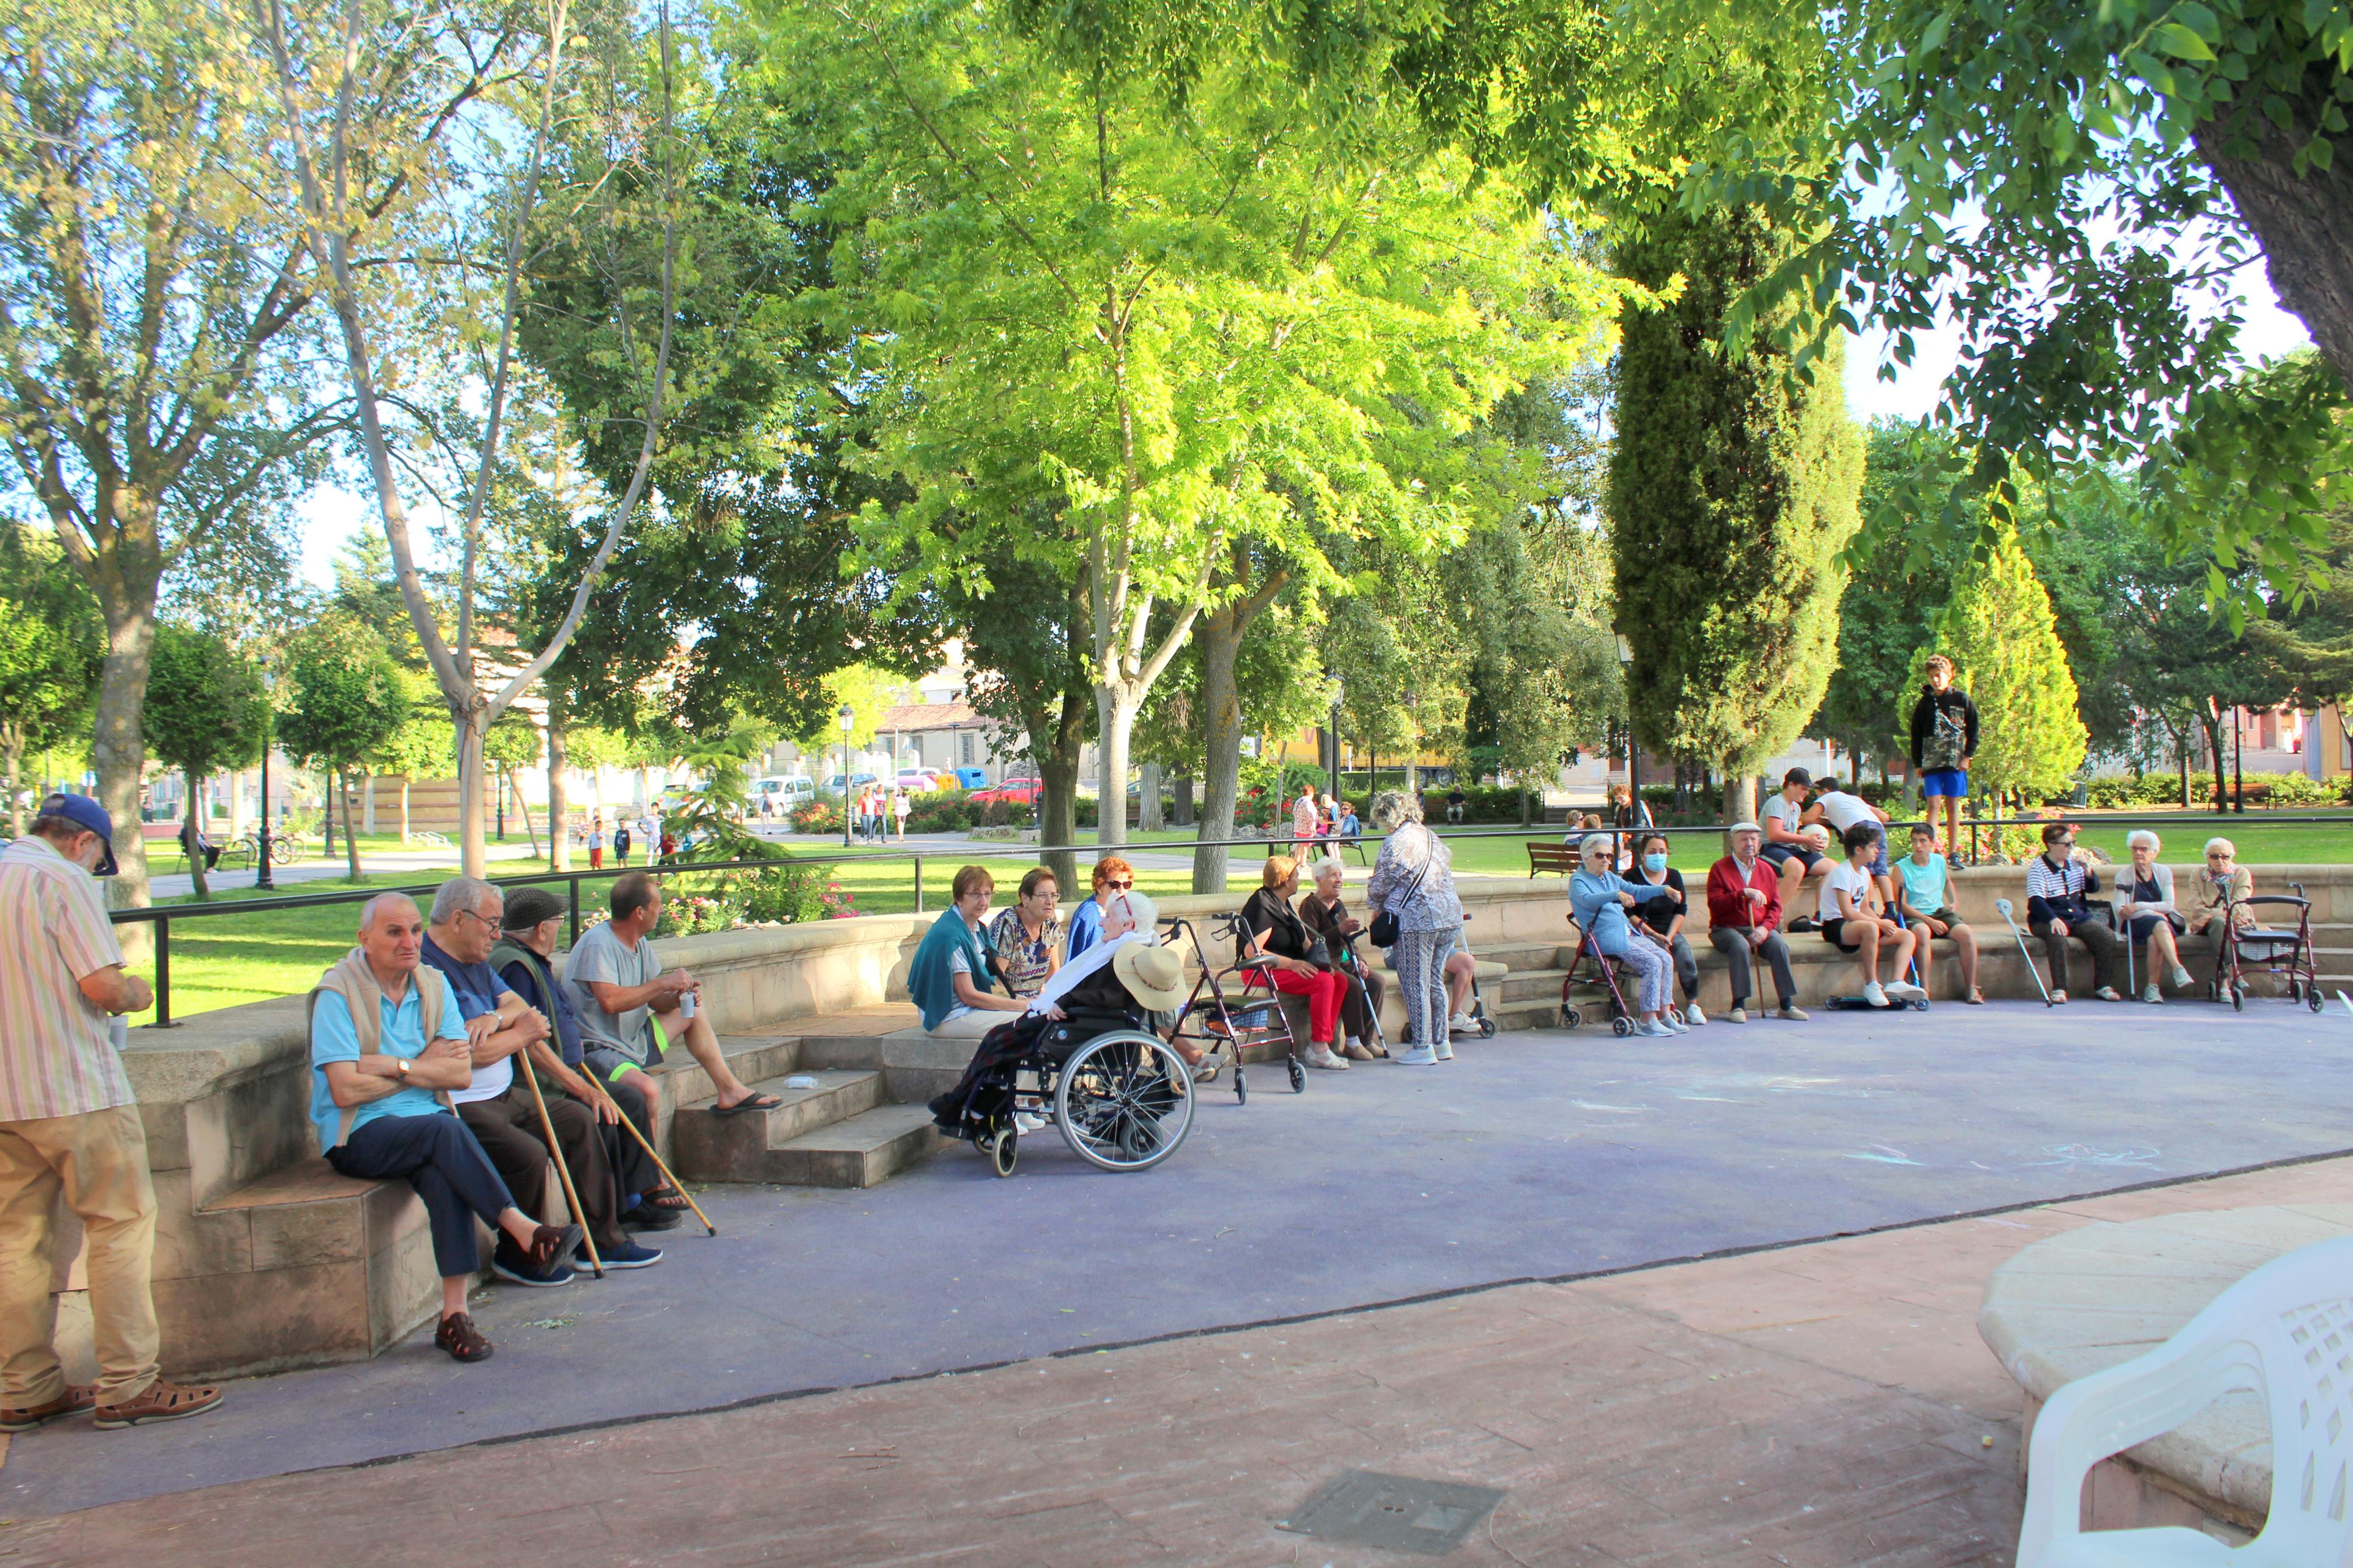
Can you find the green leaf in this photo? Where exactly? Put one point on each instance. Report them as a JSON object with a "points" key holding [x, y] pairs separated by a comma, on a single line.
{"points": [[2181, 42]]}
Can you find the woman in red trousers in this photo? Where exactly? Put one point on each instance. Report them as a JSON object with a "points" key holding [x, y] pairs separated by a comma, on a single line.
{"points": [[1276, 931]]}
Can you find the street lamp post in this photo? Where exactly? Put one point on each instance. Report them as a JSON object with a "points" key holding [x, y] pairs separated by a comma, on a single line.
{"points": [[261, 877], [1633, 746], [848, 722], [1338, 691]]}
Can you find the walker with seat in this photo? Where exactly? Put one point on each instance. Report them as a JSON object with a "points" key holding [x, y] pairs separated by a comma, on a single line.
{"points": [[1214, 1023], [2276, 950]]}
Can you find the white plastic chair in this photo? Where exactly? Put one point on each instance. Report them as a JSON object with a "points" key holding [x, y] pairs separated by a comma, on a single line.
{"points": [[2285, 1334]]}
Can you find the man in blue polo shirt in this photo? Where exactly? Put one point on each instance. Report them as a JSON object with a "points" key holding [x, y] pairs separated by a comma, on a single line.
{"points": [[501, 1029], [388, 1048]]}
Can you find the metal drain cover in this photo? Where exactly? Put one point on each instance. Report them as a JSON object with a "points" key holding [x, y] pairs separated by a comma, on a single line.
{"points": [[1401, 1513]]}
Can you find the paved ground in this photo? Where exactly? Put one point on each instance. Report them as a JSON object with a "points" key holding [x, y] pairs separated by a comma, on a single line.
{"points": [[1814, 1406], [1535, 1156]]}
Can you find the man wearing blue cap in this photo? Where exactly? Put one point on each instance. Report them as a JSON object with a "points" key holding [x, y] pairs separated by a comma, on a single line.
{"points": [[70, 1128]]}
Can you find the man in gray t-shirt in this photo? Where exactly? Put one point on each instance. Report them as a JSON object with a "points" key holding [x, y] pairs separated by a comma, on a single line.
{"points": [[616, 983]]}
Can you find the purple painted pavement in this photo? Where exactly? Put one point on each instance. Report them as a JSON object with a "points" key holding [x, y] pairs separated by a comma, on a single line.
{"points": [[1531, 1155]]}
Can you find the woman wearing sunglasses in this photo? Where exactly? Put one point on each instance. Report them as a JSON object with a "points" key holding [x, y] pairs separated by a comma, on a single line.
{"points": [[1113, 876]]}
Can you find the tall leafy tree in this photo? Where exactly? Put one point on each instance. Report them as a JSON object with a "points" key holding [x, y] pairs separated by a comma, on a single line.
{"points": [[206, 711], [1229, 323], [155, 383], [2002, 637], [347, 697], [1733, 489]]}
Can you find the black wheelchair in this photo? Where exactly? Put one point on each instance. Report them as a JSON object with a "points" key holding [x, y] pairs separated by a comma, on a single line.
{"points": [[1122, 1096]]}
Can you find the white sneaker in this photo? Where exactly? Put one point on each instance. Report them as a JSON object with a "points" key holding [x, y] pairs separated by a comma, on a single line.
{"points": [[1445, 1051], [2180, 978], [1462, 1023], [1873, 995], [1024, 1121], [1694, 1017], [1652, 1029], [1671, 1025], [1321, 1057], [1419, 1056], [1903, 988], [2150, 993]]}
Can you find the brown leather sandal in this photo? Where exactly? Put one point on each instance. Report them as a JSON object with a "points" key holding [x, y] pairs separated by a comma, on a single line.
{"points": [[78, 1397], [464, 1341], [161, 1402], [550, 1246]]}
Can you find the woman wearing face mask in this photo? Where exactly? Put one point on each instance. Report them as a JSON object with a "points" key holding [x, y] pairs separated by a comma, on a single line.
{"points": [[1663, 913]]}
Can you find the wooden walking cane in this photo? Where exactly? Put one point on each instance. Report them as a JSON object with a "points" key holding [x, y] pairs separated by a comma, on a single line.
{"points": [[678, 1186], [556, 1152]]}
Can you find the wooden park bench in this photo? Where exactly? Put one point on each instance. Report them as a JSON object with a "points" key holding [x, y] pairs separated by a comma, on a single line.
{"points": [[1556, 857]]}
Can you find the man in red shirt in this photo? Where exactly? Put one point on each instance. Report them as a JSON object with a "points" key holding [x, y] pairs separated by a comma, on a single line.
{"points": [[1743, 917]]}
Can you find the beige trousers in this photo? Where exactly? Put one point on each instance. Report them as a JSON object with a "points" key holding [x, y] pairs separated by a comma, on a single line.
{"points": [[98, 1161], [972, 1026]]}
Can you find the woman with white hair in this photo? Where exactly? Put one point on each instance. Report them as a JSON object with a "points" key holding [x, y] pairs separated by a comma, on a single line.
{"points": [[1327, 917], [1600, 900], [2225, 884], [2144, 909], [1413, 881]]}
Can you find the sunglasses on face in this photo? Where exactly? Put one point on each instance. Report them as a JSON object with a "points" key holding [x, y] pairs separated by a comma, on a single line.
{"points": [[1121, 887]]}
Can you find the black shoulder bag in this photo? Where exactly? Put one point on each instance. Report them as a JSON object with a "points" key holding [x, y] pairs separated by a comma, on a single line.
{"points": [[1384, 924]]}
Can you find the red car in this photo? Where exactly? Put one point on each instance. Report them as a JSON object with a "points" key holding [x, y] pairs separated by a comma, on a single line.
{"points": [[1020, 791]]}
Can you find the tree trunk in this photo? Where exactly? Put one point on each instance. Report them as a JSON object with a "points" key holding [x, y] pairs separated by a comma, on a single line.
{"points": [[2304, 222], [1181, 785], [12, 746], [1148, 818], [2213, 723], [1739, 803], [1115, 710], [1057, 810], [474, 828], [351, 826], [2181, 764], [118, 753], [559, 792], [531, 831], [1218, 637], [327, 812], [195, 855]]}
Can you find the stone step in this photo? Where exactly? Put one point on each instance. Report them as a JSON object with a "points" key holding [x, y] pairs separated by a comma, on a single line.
{"points": [[750, 1057], [710, 1147], [865, 1150]]}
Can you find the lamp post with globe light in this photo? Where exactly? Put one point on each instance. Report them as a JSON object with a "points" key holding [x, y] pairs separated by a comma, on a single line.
{"points": [[848, 722]]}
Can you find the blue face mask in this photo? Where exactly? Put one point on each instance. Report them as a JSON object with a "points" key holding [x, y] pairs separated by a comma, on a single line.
{"points": [[1654, 862]]}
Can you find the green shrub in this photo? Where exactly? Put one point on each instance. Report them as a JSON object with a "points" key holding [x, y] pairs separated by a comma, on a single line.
{"points": [[1007, 814], [818, 817], [786, 892]]}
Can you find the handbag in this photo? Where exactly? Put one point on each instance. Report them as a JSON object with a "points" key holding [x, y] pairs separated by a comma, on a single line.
{"points": [[1384, 924]]}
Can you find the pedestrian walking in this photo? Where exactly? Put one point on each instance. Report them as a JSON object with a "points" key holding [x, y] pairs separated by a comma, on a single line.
{"points": [[901, 806], [70, 1128]]}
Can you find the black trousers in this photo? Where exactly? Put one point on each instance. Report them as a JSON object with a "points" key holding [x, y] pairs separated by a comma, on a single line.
{"points": [[2099, 940], [508, 1126], [627, 1158], [445, 1162]]}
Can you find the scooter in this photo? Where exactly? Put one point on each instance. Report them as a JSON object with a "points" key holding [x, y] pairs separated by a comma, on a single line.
{"points": [[1858, 1003], [2003, 906]]}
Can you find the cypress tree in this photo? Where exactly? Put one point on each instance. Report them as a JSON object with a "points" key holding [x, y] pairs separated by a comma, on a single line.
{"points": [[1732, 487], [2001, 633]]}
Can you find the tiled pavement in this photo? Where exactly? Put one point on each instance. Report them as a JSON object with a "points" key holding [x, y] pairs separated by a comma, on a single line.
{"points": [[1813, 1406]]}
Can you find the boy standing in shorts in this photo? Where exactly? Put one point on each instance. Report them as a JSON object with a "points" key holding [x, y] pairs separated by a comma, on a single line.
{"points": [[1924, 897], [1944, 739]]}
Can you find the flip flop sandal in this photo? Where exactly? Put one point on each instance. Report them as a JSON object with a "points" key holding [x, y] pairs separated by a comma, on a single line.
{"points": [[749, 1102], [669, 1198]]}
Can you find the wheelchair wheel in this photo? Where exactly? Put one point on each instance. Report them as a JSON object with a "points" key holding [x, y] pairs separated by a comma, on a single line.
{"points": [[1125, 1100], [1621, 1025], [1298, 1076], [1004, 1150]]}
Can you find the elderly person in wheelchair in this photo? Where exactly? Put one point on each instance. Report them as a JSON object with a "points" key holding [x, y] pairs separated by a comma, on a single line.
{"points": [[1083, 1057]]}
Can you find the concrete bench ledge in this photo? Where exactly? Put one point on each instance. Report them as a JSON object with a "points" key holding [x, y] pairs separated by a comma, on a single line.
{"points": [[2092, 1299]]}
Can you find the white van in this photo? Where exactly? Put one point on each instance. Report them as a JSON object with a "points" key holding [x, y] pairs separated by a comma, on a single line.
{"points": [[783, 792]]}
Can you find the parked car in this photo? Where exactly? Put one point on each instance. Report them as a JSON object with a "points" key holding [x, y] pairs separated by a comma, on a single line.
{"points": [[833, 783], [783, 792], [918, 780], [1020, 791]]}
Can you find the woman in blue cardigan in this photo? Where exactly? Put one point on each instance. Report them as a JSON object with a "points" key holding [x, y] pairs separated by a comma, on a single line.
{"points": [[1598, 899], [949, 978]]}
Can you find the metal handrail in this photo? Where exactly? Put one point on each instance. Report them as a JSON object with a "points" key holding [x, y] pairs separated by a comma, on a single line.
{"points": [[162, 916]]}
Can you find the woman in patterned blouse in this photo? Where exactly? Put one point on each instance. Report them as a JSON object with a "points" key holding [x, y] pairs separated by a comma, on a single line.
{"points": [[1024, 935]]}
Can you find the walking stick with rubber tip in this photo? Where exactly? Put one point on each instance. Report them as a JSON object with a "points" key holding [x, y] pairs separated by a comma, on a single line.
{"points": [[2002, 905], [676, 1185], [562, 1168]]}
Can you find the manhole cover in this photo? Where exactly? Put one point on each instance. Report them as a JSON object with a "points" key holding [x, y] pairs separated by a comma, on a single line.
{"points": [[1400, 1512]]}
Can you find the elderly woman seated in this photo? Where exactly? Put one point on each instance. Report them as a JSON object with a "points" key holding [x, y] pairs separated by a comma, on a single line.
{"points": [[1327, 917], [951, 977], [1023, 938], [1277, 933], [1600, 898], [2225, 884], [2145, 908]]}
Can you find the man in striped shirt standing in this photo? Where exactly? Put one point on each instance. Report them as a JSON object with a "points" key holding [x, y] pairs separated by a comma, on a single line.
{"points": [[69, 1127]]}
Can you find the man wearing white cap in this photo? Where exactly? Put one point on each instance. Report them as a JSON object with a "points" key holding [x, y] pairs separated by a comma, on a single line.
{"points": [[1743, 918]]}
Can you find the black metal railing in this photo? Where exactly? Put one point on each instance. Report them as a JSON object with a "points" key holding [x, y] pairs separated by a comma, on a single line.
{"points": [[161, 917]]}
